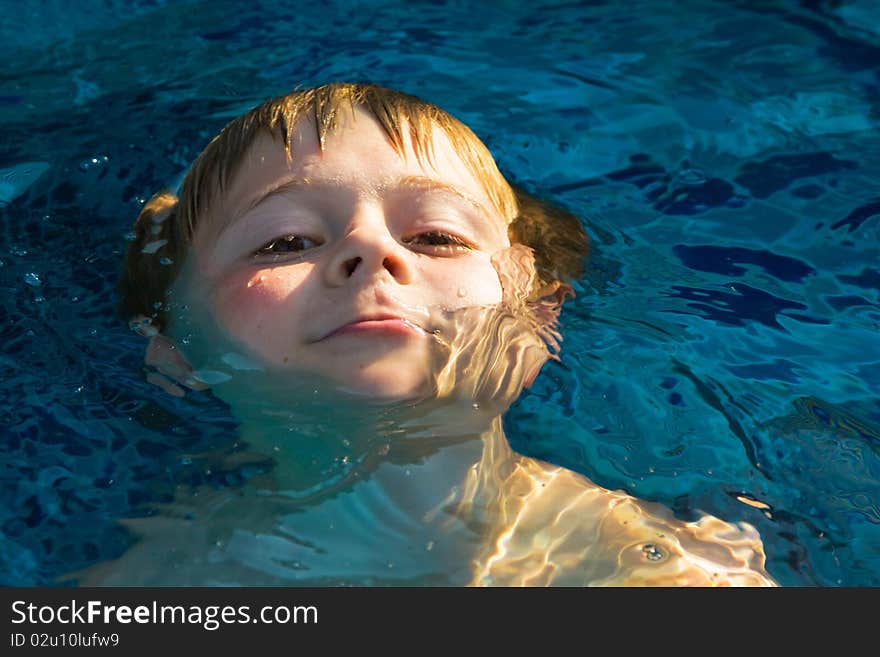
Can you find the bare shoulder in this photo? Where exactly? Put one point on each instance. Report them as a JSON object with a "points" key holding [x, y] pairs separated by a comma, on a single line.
{"points": [[559, 528]]}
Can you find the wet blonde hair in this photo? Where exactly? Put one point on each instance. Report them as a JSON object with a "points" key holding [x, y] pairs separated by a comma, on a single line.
{"points": [[164, 230]]}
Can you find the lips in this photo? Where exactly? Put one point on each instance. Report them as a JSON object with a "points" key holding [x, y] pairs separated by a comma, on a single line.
{"points": [[378, 324]]}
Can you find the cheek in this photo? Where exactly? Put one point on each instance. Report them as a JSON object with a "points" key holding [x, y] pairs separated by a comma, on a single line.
{"points": [[247, 303], [471, 283]]}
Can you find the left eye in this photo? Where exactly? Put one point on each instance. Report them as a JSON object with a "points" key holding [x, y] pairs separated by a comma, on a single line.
{"points": [[438, 239]]}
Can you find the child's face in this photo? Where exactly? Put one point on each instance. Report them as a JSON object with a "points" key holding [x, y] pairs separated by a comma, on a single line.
{"points": [[336, 262]]}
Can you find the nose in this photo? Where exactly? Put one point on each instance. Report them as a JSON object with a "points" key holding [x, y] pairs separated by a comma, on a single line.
{"points": [[368, 249]]}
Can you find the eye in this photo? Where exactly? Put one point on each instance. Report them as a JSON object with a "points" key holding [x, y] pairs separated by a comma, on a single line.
{"points": [[438, 241], [286, 245]]}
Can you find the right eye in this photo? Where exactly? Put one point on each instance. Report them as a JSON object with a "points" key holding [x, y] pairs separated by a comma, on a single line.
{"points": [[287, 244]]}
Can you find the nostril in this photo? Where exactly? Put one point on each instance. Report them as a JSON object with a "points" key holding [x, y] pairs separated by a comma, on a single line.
{"points": [[397, 268], [351, 265]]}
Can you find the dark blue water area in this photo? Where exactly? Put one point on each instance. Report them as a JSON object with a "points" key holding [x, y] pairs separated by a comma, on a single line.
{"points": [[721, 355]]}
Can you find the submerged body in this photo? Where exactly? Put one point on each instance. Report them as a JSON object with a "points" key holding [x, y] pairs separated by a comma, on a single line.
{"points": [[507, 520]]}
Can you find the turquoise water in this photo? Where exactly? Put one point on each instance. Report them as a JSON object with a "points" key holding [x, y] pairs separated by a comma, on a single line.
{"points": [[722, 352]]}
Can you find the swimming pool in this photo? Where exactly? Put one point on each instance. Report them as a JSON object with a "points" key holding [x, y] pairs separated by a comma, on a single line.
{"points": [[722, 352]]}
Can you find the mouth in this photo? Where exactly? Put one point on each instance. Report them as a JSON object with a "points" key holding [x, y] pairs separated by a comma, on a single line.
{"points": [[376, 325]]}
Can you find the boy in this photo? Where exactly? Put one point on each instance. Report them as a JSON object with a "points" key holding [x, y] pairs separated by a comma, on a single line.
{"points": [[347, 268]]}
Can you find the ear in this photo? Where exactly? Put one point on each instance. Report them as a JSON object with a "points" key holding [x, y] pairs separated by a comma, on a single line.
{"points": [[163, 354]]}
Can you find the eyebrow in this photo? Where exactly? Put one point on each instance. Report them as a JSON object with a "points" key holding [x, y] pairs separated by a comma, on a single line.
{"points": [[430, 184], [405, 182]]}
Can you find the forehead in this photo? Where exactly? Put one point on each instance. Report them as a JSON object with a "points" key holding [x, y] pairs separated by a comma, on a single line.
{"points": [[356, 153]]}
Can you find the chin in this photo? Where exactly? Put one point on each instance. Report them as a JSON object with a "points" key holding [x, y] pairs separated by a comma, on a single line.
{"points": [[385, 388]]}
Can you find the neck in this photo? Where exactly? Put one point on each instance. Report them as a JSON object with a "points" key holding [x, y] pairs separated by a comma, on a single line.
{"points": [[420, 456]]}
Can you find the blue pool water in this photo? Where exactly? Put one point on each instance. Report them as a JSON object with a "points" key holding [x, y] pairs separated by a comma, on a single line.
{"points": [[722, 354]]}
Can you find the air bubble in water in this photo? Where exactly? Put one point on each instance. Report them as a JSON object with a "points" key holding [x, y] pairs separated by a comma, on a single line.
{"points": [[653, 552], [32, 279], [93, 162]]}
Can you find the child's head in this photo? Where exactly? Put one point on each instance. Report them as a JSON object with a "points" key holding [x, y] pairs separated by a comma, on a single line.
{"points": [[322, 230]]}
